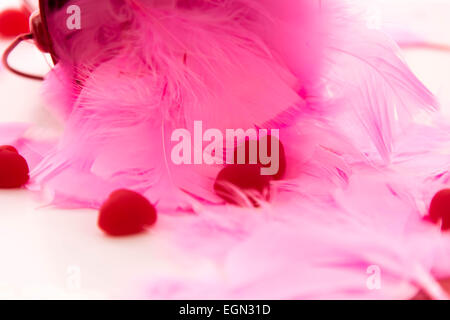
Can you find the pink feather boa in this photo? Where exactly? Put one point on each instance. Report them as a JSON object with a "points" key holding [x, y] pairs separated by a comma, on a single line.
{"points": [[361, 170]]}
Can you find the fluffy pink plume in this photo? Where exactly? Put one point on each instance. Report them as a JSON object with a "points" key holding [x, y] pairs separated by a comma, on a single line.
{"points": [[360, 170]]}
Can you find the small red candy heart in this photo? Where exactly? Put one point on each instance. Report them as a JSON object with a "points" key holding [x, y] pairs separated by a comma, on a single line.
{"points": [[423, 295], [125, 213], [13, 22], [440, 209], [14, 171], [281, 159], [246, 177], [8, 148]]}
